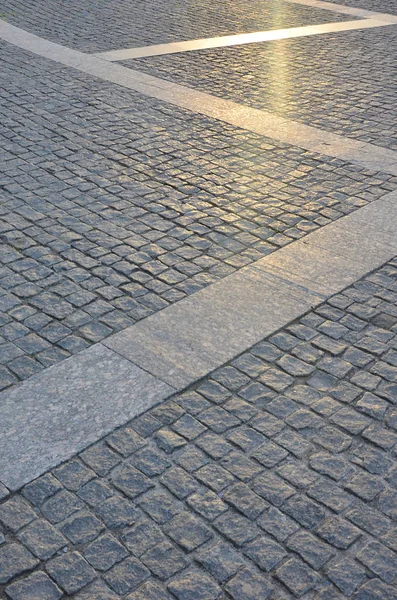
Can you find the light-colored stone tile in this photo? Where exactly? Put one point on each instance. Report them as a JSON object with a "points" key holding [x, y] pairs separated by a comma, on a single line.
{"points": [[55, 414]]}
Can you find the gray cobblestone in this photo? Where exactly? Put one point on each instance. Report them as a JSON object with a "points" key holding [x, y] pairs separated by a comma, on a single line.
{"points": [[260, 510]]}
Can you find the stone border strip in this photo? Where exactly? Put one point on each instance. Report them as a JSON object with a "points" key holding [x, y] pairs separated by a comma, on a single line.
{"points": [[58, 412], [264, 123], [345, 10], [237, 40]]}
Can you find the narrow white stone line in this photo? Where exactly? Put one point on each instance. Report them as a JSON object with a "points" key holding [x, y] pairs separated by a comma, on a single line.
{"points": [[346, 10], [251, 119], [237, 40]]}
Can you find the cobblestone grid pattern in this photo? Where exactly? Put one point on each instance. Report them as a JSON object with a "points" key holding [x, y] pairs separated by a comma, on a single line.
{"points": [[274, 478], [100, 25], [385, 6], [330, 81], [114, 205]]}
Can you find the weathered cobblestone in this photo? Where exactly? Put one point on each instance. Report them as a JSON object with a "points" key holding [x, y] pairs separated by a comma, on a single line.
{"points": [[294, 496], [114, 205]]}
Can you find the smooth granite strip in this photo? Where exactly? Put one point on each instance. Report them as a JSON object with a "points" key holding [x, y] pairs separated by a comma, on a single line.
{"points": [[237, 40], [257, 121], [60, 411]]}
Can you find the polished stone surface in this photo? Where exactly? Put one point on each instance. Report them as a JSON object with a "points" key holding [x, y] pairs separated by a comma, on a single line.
{"points": [[53, 415]]}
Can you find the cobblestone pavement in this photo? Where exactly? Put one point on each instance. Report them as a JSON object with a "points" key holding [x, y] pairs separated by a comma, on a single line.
{"points": [[386, 6], [330, 81], [273, 478], [98, 25], [114, 205]]}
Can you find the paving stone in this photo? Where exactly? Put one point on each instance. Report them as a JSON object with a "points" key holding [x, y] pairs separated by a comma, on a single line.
{"points": [[71, 572], [41, 489], [142, 536], [131, 481], [15, 560], [37, 586], [309, 514], [277, 523], [246, 585], [346, 574], [235, 527], [265, 553], [164, 560], [380, 560], [15, 513], [42, 539], [104, 552], [296, 576], [243, 499], [126, 575], [179, 482], [100, 458], [310, 548], [338, 532], [221, 560], [187, 531], [97, 591], [194, 585], [117, 512], [375, 589]]}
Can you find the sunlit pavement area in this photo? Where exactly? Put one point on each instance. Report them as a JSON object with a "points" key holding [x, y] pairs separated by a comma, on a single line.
{"points": [[198, 300]]}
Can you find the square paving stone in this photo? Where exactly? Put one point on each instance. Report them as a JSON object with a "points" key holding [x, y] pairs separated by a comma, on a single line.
{"points": [[15, 560], [81, 527], [142, 536], [149, 591], [131, 481], [71, 572], [236, 528], [194, 585], [346, 574], [245, 500], [127, 575], [150, 462], [164, 560], [380, 560], [42, 539], [160, 506], [221, 560], [265, 553], [37, 586], [117, 512], [104, 552], [207, 504], [310, 548], [297, 577], [41, 489], [15, 513], [187, 531], [278, 524], [97, 591], [246, 585]]}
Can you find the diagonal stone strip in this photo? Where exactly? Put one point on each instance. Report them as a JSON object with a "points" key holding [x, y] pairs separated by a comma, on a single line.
{"points": [[54, 414], [258, 121], [236, 40]]}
